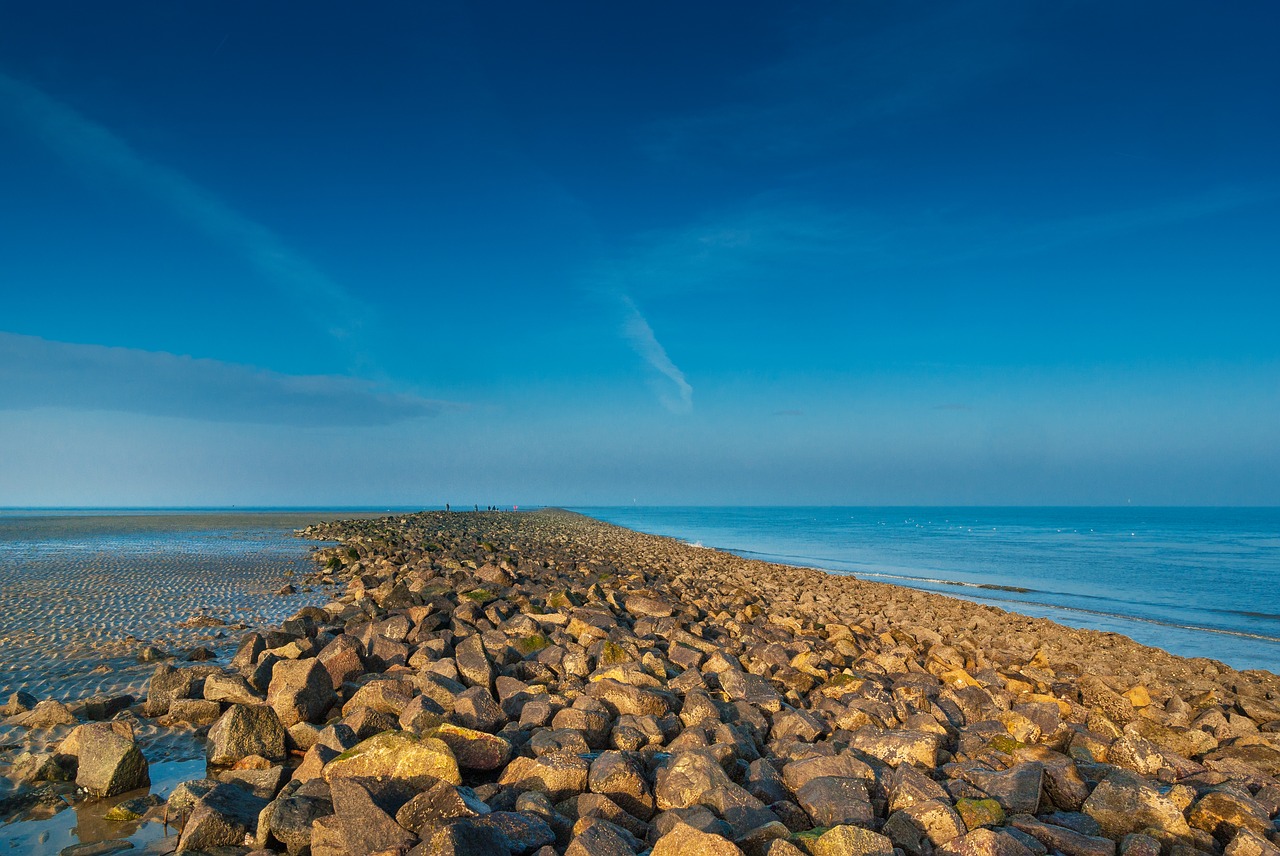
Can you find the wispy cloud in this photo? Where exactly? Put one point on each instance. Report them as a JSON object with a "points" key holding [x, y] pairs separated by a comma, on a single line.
{"points": [[88, 145], [844, 75], [772, 242], [675, 393], [1002, 239], [38, 373]]}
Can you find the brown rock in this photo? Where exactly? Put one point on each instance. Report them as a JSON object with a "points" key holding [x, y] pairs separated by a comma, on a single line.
{"points": [[620, 777], [684, 840], [245, 730], [1064, 840], [300, 691], [1226, 811], [984, 842], [1123, 803], [109, 761], [558, 774], [396, 755]]}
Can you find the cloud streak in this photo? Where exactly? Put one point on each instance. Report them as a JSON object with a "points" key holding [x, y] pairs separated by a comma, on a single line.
{"points": [[843, 77], [675, 394], [772, 242], [88, 145], [37, 373]]}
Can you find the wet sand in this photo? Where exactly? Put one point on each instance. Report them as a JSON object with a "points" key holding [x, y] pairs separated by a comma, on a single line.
{"points": [[82, 596]]}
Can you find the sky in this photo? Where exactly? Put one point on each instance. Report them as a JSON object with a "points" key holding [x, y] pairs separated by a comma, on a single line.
{"points": [[404, 253]]}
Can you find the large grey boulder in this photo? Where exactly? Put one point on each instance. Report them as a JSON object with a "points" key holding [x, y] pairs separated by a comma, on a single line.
{"points": [[220, 818], [300, 691], [109, 760], [1124, 803], [245, 730]]}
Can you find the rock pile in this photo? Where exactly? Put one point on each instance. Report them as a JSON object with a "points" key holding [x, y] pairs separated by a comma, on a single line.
{"points": [[546, 684]]}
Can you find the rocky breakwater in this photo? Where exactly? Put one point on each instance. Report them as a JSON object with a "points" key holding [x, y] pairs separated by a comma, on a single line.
{"points": [[546, 684]]}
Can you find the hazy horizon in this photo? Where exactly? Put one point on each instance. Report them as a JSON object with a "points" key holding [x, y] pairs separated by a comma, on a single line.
{"points": [[975, 254]]}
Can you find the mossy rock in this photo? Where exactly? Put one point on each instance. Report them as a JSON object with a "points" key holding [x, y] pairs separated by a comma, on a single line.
{"points": [[976, 813], [561, 600], [1007, 745], [396, 755], [531, 644], [613, 654], [479, 595], [807, 837]]}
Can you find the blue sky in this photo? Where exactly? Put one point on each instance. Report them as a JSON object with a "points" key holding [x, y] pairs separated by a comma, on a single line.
{"points": [[590, 253]]}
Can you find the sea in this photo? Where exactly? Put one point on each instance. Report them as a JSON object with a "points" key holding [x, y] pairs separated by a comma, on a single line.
{"points": [[1199, 582]]}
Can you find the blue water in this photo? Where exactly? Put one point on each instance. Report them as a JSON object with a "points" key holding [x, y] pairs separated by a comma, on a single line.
{"points": [[1200, 582]]}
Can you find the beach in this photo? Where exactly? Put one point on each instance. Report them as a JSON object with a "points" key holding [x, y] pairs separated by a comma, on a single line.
{"points": [[547, 683]]}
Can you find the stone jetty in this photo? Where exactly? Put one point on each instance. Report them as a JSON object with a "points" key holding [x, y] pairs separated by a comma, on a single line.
{"points": [[543, 683]]}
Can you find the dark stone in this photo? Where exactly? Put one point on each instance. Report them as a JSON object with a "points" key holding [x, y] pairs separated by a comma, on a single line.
{"points": [[222, 817]]}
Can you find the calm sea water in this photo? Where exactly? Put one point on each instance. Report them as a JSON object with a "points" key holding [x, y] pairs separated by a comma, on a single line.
{"points": [[1200, 582]]}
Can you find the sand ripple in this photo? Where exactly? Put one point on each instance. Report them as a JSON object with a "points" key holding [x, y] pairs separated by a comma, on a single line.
{"points": [[80, 597]]}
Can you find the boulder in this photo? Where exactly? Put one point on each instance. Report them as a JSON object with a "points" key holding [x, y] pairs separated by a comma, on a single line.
{"points": [[397, 755], [1062, 839], [1097, 695], [623, 699], [461, 836], [475, 750], [245, 730], [1124, 803], [230, 689], [695, 777], [477, 709], [290, 817], [796, 773], [1247, 843], [844, 840], [898, 747], [684, 840], [620, 777], [366, 826], [935, 819], [440, 801], [473, 663], [300, 691], [984, 842], [220, 818], [601, 838], [833, 800], [1017, 789], [109, 761], [168, 683], [558, 774], [1226, 811], [19, 702], [341, 659], [522, 832], [45, 714]]}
